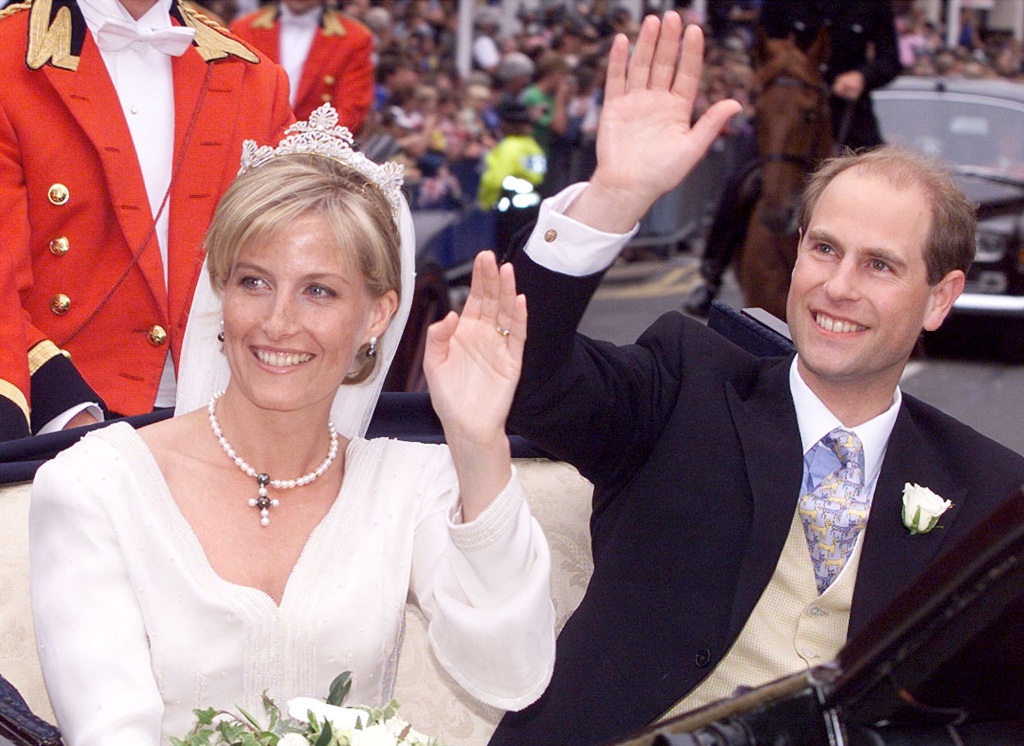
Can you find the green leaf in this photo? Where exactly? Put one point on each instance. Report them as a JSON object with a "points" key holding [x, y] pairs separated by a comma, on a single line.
{"points": [[252, 721], [271, 708], [325, 736], [339, 688], [205, 717]]}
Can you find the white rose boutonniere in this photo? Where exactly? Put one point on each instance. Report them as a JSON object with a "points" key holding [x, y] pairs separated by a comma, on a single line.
{"points": [[922, 508]]}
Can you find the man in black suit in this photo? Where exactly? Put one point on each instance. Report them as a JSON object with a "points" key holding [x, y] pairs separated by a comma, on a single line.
{"points": [[720, 558]]}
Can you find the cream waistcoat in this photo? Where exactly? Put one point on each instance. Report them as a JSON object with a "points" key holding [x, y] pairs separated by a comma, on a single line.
{"points": [[791, 628]]}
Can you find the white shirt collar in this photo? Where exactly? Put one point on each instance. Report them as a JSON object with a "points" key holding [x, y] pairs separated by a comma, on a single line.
{"points": [[309, 19], [98, 11], [815, 420]]}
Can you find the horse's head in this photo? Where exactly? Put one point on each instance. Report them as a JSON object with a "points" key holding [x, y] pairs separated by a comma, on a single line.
{"points": [[794, 130]]}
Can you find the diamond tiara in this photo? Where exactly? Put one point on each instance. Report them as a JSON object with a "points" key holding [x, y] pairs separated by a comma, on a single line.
{"points": [[322, 135]]}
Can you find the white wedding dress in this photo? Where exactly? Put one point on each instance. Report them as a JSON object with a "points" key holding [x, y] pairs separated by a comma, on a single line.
{"points": [[135, 629]]}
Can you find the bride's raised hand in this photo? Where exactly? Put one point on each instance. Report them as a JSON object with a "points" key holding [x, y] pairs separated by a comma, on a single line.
{"points": [[472, 361]]}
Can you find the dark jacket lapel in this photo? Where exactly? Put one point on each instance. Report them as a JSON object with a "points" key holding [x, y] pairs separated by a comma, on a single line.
{"points": [[891, 557]]}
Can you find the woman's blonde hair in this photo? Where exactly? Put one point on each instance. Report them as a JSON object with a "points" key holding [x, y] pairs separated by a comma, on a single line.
{"points": [[266, 200]]}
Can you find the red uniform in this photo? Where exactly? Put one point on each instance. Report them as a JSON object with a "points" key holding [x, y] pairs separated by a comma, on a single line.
{"points": [[80, 267], [338, 70]]}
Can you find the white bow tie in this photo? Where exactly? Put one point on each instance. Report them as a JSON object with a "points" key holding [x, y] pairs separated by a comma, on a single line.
{"points": [[304, 21], [115, 35]]}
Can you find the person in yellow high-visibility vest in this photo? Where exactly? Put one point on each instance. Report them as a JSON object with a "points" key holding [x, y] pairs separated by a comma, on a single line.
{"points": [[516, 165]]}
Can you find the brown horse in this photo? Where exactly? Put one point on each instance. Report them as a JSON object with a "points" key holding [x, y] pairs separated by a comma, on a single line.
{"points": [[794, 132]]}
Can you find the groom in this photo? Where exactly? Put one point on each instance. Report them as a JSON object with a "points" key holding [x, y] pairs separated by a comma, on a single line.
{"points": [[747, 512]]}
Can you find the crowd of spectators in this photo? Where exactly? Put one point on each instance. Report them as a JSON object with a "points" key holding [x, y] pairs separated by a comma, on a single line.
{"points": [[551, 58], [923, 48]]}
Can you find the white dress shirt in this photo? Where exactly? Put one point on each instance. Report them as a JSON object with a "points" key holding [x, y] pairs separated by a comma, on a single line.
{"points": [[298, 30], [145, 87]]}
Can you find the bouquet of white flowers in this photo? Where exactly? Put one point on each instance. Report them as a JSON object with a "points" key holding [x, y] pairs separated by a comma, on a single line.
{"points": [[309, 722]]}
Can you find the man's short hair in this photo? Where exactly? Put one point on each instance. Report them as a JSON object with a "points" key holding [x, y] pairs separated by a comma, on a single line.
{"points": [[950, 243], [514, 65], [550, 63], [488, 17], [389, 64], [377, 19]]}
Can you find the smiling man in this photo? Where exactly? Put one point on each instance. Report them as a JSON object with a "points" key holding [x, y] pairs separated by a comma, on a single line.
{"points": [[874, 267], [747, 512]]}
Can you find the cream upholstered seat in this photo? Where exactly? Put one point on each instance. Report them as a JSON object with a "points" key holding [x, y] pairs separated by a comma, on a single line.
{"points": [[430, 699]]}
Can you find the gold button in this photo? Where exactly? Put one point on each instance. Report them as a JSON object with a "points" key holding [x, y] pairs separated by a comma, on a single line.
{"points": [[60, 246], [329, 80], [60, 304], [326, 97], [157, 335], [58, 194], [550, 235]]}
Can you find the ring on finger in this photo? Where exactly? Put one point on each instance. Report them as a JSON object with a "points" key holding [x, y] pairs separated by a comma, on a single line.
{"points": [[502, 330]]}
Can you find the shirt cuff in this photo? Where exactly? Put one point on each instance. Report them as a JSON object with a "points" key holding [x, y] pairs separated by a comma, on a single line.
{"points": [[58, 422], [569, 247]]}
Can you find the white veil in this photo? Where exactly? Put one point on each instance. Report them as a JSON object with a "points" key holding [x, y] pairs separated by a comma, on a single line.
{"points": [[203, 369]]}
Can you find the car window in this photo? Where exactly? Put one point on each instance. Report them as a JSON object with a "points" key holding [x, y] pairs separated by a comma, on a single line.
{"points": [[965, 130]]}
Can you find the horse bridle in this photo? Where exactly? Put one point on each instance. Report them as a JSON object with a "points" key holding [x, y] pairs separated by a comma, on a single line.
{"points": [[809, 161]]}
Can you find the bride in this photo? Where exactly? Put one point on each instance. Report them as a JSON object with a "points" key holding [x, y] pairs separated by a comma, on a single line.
{"points": [[257, 541]]}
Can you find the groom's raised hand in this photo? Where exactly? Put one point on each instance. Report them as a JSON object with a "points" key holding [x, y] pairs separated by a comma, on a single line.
{"points": [[646, 144]]}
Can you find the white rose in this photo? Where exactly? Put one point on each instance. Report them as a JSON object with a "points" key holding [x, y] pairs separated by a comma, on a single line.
{"points": [[374, 735], [922, 508], [292, 739], [342, 718], [396, 724]]}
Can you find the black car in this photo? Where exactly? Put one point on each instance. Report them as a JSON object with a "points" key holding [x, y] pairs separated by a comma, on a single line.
{"points": [[977, 126]]}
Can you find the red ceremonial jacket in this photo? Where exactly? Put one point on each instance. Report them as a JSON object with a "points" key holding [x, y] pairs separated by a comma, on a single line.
{"points": [[80, 267], [338, 70]]}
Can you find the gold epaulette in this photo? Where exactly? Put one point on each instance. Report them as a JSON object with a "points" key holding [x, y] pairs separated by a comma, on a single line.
{"points": [[213, 41], [265, 17], [49, 42], [333, 23]]}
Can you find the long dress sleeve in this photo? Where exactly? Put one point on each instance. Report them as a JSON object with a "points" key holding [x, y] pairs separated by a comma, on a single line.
{"points": [[484, 588], [88, 622]]}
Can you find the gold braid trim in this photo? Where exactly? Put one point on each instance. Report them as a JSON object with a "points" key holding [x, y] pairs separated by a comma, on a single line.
{"points": [[212, 41], [9, 391], [42, 353], [10, 10], [49, 42]]}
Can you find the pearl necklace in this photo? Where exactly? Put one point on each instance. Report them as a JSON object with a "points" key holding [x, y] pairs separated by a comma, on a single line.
{"points": [[263, 479]]}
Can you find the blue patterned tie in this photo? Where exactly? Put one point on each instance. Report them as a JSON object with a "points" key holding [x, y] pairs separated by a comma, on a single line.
{"points": [[836, 510]]}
